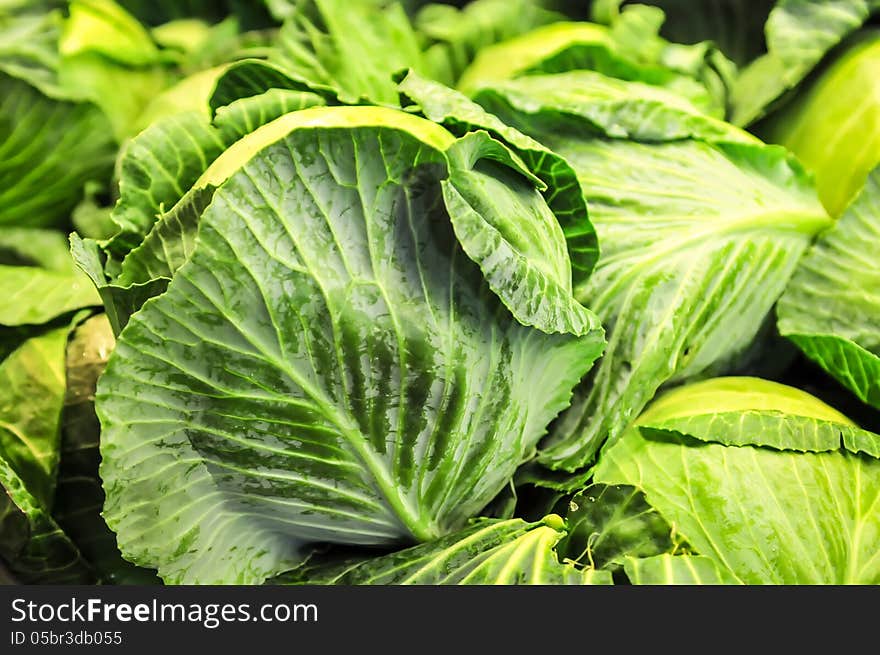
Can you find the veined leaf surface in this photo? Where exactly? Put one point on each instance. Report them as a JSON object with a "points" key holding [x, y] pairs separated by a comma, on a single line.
{"points": [[460, 115], [48, 150], [803, 515], [700, 228], [159, 206], [669, 569], [831, 308], [488, 553], [327, 365]]}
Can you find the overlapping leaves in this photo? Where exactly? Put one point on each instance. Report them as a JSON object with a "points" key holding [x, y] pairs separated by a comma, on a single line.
{"points": [[490, 552], [347, 335], [831, 308], [761, 511], [360, 369], [701, 227]]}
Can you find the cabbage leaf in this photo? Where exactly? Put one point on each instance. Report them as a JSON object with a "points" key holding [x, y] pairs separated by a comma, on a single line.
{"points": [[762, 511], [700, 226], [831, 308], [350, 378]]}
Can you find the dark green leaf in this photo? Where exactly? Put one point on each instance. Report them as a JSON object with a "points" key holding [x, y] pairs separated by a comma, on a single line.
{"points": [[49, 149], [606, 524], [504, 225], [31, 543]]}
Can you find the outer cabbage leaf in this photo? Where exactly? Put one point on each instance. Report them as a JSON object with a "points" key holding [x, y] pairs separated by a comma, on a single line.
{"points": [[669, 569], [606, 524], [504, 224], [799, 33], [611, 107], [241, 117], [38, 279], [23, 246], [701, 228], [505, 216], [32, 387], [104, 48], [253, 77], [831, 308], [160, 200], [159, 165], [119, 302], [390, 395], [202, 53], [833, 124], [41, 289], [29, 48], [751, 411], [48, 150], [33, 295], [762, 515], [191, 94], [563, 194], [105, 28], [488, 553], [91, 216], [61, 113], [636, 29]]}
